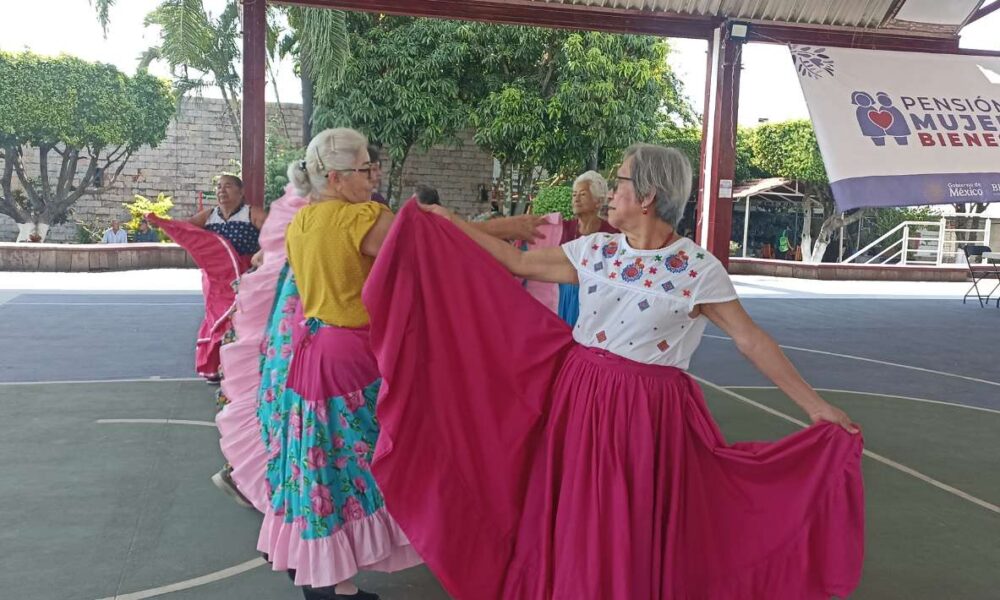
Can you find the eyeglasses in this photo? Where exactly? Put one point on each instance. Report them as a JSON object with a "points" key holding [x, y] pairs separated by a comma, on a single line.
{"points": [[618, 180], [366, 170]]}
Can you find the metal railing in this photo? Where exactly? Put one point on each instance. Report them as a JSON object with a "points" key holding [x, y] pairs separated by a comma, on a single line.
{"points": [[927, 243]]}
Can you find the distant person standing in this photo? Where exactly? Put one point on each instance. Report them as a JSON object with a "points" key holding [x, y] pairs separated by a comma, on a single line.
{"points": [[115, 234]]}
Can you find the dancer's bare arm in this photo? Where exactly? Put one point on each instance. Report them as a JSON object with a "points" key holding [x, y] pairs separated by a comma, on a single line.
{"points": [[521, 227], [372, 242], [548, 264], [201, 218], [765, 354]]}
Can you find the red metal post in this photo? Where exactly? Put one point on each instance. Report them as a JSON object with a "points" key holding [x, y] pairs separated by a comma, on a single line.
{"points": [[254, 44], [718, 148]]}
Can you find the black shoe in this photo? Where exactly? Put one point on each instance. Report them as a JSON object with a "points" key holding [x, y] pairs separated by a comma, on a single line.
{"points": [[361, 595]]}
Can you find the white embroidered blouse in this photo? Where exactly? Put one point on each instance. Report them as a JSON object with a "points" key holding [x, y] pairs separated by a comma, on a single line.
{"points": [[635, 303]]}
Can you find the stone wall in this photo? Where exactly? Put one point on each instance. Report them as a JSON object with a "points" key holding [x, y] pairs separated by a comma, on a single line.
{"points": [[458, 172], [199, 145]]}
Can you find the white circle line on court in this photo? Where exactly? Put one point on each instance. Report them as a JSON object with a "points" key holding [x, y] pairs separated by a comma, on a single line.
{"points": [[191, 583], [872, 455], [896, 396], [872, 360], [154, 379], [155, 422]]}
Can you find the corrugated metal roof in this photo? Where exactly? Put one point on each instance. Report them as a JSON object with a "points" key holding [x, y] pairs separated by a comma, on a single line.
{"points": [[866, 14]]}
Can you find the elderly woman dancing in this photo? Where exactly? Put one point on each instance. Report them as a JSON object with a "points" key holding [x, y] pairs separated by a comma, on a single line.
{"points": [[528, 461]]}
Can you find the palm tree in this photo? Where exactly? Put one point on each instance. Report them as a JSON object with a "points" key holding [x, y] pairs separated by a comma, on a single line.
{"points": [[202, 51], [319, 42], [103, 7]]}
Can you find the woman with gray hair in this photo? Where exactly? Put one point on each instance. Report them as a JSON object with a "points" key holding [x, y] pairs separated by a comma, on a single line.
{"points": [[590, 192], [326, 519], [585, 463]]}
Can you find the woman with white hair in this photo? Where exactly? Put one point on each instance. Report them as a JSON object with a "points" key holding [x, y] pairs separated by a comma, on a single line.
{"points": [[586, 464], [590, 191], [326, 518]]}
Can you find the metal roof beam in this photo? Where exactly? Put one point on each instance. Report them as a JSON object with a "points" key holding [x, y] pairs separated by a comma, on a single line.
{"points": [[539, 14], [983, 11]]}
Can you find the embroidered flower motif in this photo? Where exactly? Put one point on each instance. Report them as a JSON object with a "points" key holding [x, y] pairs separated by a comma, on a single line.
{"points": [[648, 283], [678, 263], [700, 255], [618, 263], [609, 249], [687, 293], [594, 247], [633, 272], [652, 270], [613, 276], [585, 261], [693, 274]]}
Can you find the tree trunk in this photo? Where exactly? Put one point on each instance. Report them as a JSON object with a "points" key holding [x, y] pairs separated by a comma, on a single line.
{"points": [[307, 111], [806, 235], [396, 179], [830, 225]]}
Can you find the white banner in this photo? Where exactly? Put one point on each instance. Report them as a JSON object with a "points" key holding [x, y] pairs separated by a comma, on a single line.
{"points": [[904, 128]]}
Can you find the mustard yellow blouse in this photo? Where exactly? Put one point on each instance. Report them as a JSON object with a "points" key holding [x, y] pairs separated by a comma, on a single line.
{"points": [[324, 251]]}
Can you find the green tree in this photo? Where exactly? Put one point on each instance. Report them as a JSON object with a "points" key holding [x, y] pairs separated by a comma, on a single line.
{"points": [[402, 85], [318, 40], [789, 150], [82, 120], [568, 101], [201, 51], [688, 141]]}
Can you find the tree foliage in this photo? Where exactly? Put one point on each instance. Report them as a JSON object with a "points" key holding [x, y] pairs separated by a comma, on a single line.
{"points": [[76, 117], [201, 50], [570, 101], [402, 85], [141, 206], [789, 149]]}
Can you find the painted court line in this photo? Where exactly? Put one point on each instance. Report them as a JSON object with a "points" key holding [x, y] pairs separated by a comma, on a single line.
{"points": [[155, 422], [895, 396], [154, 378], [191, 583], [872, 455], [872, 360], [104, 304]]}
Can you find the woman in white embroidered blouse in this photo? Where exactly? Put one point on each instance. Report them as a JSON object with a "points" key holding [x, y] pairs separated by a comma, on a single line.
{"points": [[593, 469], [652, 185]]}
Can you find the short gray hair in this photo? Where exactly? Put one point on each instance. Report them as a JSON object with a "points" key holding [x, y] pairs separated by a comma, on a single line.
{"points": [[598, 184], [330, 150], [664, 172]]}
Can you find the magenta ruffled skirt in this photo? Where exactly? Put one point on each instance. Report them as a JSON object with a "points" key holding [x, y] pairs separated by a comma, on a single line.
{"points": [[523, 466]]}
